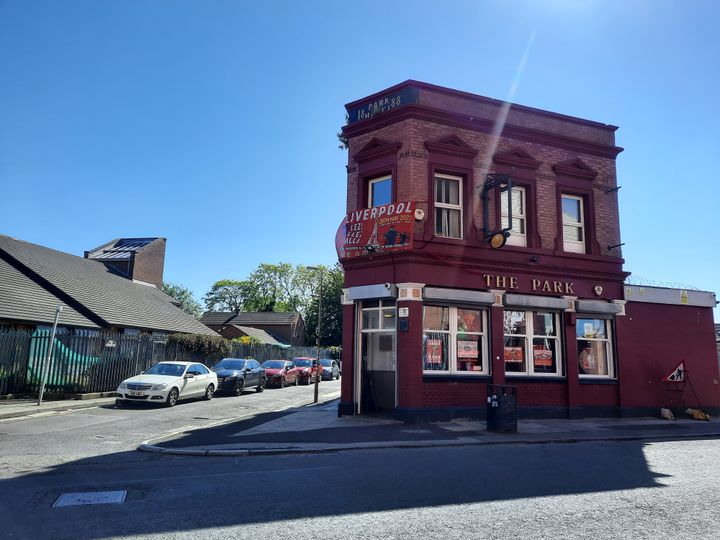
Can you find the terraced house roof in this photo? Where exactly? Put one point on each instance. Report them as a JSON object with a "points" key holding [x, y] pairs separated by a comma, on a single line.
{"points": [[34, 279]]}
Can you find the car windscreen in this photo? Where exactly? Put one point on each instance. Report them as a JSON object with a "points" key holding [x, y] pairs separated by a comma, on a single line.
{"points": [[326, 363], [302, 363], [273, 364], [175, 370], [229, 364]]}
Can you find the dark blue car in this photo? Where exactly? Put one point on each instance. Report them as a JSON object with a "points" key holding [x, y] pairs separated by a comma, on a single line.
{"points": [[235, 375]]}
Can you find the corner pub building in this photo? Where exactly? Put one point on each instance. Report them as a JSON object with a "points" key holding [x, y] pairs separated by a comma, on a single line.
{"points": [[479, 253]]}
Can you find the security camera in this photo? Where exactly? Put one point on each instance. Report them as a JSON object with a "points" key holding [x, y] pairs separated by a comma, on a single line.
{"points": [[387, 286]]}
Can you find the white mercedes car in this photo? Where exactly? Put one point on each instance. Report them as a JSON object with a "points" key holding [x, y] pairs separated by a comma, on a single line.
{"points": [[168, 382]]}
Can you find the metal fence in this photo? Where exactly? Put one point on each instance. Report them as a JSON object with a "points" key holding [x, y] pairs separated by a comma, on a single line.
{"points": [[84, 362]]}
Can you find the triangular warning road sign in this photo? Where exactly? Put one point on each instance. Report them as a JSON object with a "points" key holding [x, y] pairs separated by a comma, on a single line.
{"points": [[678, 374]]}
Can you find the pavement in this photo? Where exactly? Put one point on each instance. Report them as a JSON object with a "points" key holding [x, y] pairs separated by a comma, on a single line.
{"points": [[317, 428], [18, 408]]}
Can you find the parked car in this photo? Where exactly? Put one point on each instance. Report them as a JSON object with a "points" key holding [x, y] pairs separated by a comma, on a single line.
{"points": [[280, 373], [330, 369], [235, 375], [308, 368], [168, 382]]}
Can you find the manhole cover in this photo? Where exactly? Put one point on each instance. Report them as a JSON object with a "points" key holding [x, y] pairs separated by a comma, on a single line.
{"points": [[92, 497]]}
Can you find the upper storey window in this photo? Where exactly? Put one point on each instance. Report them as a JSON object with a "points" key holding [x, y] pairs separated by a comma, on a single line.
{"points": [[518, 227], [573, 223], [380, 191], [448, 206]]}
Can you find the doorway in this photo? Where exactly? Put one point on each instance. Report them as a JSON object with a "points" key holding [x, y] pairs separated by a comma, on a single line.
{"points": [[378, 373]]}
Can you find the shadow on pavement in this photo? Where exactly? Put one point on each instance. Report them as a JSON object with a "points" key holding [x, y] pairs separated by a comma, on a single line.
{"points": [[174, 494]]}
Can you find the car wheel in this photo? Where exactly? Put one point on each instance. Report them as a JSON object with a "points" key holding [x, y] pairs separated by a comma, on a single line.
{"points": [[296, 380], [209, 391], [118, 403], [239, 387], [283, 383], [260, 387], [338, 376], [172, 398]]}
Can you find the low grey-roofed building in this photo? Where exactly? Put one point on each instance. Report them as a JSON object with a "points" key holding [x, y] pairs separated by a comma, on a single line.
{"points": [[286, 327], [35, 279]]}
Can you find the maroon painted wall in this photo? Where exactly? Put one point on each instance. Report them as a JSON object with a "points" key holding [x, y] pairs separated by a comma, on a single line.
{"points": [[653, 339]]}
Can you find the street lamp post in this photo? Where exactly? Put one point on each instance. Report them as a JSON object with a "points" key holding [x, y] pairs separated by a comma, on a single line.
{"points": [[318, 372], [48, 359]]}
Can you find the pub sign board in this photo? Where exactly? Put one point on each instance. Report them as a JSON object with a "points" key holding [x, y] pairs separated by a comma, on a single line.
{"points": [[405, 96], [380, 229]]}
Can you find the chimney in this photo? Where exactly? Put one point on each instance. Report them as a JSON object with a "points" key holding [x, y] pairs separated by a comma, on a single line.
{"points": [[139, 259]]}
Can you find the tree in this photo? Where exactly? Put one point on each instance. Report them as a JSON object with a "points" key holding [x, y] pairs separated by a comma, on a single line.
{"points": [[279, 287], [182, 294], [227, 295], [331, 325]]}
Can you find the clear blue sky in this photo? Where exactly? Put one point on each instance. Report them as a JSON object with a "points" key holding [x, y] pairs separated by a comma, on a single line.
{"points": [[213, 123]]}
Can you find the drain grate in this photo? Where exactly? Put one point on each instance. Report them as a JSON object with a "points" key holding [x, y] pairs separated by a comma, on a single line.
{"points": [[91, 497]]}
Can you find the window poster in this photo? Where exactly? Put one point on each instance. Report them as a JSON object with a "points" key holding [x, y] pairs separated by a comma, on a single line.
{"points": [[542, 356], [514, 354], [433, 349], [467, 349]]}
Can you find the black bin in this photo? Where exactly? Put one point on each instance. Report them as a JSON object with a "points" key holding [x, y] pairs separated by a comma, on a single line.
{"points": [[501, 408]]}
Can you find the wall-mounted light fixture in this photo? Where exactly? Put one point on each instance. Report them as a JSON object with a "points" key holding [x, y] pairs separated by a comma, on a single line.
{"points": [[534, 259], [612, 189], [615, 246]]}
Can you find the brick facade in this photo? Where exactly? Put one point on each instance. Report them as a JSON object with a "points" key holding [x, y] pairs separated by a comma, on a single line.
{"points": [[449, 132]]}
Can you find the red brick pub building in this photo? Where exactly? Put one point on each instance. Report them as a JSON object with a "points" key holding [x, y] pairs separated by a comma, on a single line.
{"points": [[507, 268]]}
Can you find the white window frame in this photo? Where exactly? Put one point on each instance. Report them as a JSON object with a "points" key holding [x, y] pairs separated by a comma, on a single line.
{"points": [[452, 342], [608, 340], [515, 238], [383, 305], [375, 181], [570, 245], [449, 207], [529, 336]]}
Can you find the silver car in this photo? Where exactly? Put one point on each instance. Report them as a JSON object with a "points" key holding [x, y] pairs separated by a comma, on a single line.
{"points": [[168, 382]]}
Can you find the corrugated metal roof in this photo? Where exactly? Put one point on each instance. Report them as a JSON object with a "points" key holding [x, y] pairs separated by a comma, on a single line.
{"points": [[116, 300]]}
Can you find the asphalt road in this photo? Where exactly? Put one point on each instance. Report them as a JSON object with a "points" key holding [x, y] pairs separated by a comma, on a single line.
{"points": [[50, 439], [593, 490]]}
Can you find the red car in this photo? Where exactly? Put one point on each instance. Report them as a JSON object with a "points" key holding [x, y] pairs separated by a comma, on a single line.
{"points": [[308, 369], [280, 373]]}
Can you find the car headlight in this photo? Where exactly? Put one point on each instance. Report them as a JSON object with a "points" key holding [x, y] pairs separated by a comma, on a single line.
{"points": [[122, 385], [158, 387]]}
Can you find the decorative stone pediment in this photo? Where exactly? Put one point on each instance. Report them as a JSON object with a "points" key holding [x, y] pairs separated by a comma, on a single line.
{"points": [[516, 157], [575, 168], [452, 145], [376, 148]]}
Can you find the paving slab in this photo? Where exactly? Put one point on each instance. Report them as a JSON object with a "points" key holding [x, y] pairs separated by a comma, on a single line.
{"points": [[318, 429]]}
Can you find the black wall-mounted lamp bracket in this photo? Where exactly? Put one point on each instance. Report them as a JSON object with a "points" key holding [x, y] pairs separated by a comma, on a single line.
{"points": [[493, 181]]}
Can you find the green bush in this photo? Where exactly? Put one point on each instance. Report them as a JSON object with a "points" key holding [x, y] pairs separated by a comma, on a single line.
{"points": [[210, 348]]}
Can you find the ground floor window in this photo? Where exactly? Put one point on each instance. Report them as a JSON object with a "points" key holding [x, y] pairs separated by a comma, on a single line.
{"points": [[531, 343], [594, 343], [455, 340]]}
